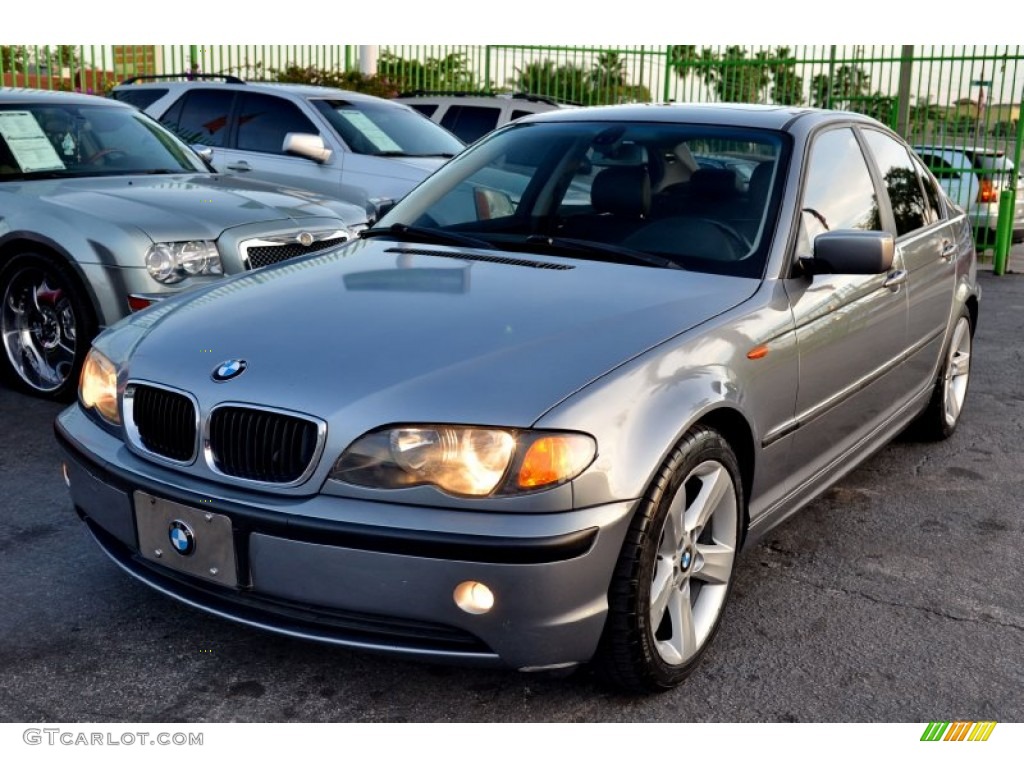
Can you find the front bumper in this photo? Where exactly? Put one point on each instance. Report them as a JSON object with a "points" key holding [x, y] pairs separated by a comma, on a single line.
{"points": [[317, 568]]}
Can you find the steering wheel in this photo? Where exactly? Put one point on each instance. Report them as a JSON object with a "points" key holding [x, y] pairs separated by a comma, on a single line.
{"points": [[110, 152], [732, 233]]}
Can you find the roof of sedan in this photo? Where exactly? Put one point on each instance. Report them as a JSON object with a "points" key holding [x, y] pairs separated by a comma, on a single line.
{"points": [[741, 115], [39, 96]]}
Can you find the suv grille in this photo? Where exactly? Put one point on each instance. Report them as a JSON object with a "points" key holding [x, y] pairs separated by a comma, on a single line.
{"points": [[260, 445], [165, 421], [262, 253]]}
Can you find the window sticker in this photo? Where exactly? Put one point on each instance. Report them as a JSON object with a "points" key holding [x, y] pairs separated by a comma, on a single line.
{"points": [[370, 130], [27, 142]]}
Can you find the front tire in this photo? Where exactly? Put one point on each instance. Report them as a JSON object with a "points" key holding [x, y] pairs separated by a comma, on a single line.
{"points": [[675, 571], [46, 326]]}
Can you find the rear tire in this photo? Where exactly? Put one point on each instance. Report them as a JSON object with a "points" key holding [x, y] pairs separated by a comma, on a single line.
{"points": [[46, 326], [940, 418], [675, 571]]}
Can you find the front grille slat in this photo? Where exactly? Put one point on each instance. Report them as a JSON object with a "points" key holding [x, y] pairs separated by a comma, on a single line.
{"points": [[165, 422], [244, 442], [261, 445]]}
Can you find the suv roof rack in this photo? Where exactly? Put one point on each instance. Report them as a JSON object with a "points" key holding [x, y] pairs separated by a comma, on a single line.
{"points": [[187, 75]]}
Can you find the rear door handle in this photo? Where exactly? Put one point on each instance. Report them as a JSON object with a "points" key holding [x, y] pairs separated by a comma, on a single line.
{"points": [[241, 165], [895, 279], [948, 250]]}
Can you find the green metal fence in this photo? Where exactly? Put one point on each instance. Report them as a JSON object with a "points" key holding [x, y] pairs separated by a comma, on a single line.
{"points": [[939, 95]]}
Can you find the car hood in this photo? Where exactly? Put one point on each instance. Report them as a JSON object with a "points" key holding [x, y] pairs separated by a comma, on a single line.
{"points": [[185, 206], [382, 332]]}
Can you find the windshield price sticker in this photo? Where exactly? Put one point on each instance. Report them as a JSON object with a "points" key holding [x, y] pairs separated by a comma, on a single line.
{"points": [[29, 145], [370, 130]]}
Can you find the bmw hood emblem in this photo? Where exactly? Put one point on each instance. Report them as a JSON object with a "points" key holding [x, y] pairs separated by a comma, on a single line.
{"points": [[182, 538], [229, 369]]}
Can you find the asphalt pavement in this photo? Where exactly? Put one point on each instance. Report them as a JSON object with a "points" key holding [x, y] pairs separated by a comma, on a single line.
{"points": [[895, 597]]}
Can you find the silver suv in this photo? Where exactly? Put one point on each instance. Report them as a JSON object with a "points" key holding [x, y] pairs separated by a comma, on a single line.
{"points": [[347, 145], [472, 115], [974, 178], [103, 211]]}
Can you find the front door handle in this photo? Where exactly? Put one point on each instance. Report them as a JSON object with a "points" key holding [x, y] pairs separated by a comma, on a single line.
{"points": [[241, 165], [948, 250], [895, 279]]}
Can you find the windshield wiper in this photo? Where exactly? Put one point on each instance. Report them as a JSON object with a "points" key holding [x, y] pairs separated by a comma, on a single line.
{"points": [[407, 233], [400, 153], [593, 247]]}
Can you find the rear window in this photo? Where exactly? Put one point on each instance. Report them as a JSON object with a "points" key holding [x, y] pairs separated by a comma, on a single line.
{"points": [[139, 97]]}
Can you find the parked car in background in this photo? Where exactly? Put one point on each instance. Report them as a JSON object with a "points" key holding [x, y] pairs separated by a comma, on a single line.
{"points": [[974, 177], [578, 385], [102, 211], [342, 144], [471, 115]]}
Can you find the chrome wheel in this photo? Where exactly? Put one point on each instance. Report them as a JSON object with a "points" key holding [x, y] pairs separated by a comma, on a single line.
{"points": [[41, 325], [957, 372], [694, 562]]}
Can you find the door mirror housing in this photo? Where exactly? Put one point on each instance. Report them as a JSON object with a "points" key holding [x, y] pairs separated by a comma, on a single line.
{"points": [[851, 252], [309, 145]]}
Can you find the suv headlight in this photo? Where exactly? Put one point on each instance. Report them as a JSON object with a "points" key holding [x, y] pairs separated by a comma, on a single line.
{"points": [[97, 387], [466, 461], [173, 262]]}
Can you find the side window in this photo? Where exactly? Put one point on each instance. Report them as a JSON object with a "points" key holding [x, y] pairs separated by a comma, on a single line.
{"points": [[427, 110], [932, 196], [201, 117], [838, 192], [470, 123], [263, 122], [909, 208], [517, 113], [140, 98]]}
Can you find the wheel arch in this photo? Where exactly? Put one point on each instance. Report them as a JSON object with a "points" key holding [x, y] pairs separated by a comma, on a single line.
{"points": [[17, 242]]}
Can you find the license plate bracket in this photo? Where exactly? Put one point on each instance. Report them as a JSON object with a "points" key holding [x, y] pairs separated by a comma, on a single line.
{"points": [[187, 539]]}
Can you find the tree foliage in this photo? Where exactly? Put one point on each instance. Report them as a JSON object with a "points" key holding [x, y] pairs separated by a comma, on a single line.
{"points": [[738, 75], [606, 81]]}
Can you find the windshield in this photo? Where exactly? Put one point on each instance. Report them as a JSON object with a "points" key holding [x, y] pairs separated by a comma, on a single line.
{"points": [[71, 140], [371, 128], [700, 197]]}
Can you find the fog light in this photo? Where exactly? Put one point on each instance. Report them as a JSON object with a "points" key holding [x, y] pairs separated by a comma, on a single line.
{"points": [[64, 474], [474, 597]]}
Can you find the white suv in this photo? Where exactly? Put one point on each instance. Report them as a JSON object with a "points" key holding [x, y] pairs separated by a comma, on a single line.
{"points": [[974, 177], [342, 144], [472, 115]]}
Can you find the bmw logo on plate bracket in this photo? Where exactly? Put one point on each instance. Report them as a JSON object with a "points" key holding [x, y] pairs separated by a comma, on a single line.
{"points": [[182, 539], [229, 369]]}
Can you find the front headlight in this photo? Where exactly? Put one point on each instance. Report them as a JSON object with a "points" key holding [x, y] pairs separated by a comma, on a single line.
{"points": [[466, 461], [97, 387], [172, 262]]}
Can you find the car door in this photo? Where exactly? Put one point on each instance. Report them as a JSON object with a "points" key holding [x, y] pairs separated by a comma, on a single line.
{"points": [[851, 330], [926, 244], [261, 124]]}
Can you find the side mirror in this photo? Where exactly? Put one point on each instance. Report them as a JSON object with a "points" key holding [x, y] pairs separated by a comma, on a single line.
{"points": [[205, 153], [851, 252], [309, 145], [492, 203]]}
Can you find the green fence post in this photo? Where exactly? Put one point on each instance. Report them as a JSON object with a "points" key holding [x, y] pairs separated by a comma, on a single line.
{"points": [[1004, 230], [193, 57]]}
